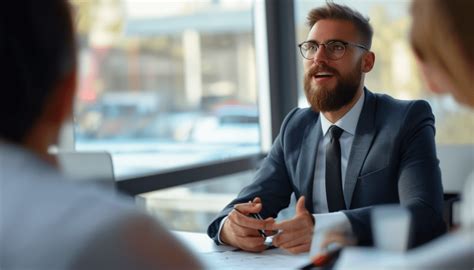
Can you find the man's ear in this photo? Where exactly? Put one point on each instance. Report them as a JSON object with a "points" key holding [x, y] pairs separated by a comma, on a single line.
{"points": [[61, 102], [368, 61]]}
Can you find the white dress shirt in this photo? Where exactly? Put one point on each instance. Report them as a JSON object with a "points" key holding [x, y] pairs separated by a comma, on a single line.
{"points": [[348, 123], [325, 220], [334, 220]]}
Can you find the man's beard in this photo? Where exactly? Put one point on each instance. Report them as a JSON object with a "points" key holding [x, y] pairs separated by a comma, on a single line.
{"points": [[324, 99]]}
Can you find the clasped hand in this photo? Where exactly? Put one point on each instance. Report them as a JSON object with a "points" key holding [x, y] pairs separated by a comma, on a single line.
{"points": [[294, 235]]}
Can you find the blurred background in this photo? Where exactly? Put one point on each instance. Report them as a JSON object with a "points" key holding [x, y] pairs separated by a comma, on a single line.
{"points": [[166, 85]]}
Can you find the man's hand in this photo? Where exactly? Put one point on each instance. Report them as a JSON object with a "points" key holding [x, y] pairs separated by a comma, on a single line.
{"points": [[295, 234], [240, 230]]}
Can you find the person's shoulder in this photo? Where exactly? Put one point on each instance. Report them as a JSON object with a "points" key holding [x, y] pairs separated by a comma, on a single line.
{"points": [[300, 116], [385, 99], [401, 115], [56, 217], [303, 113], [30, 181], [389, 104]]}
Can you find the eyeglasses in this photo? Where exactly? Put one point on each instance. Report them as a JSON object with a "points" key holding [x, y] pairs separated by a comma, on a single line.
{"points": [[334, 49]]}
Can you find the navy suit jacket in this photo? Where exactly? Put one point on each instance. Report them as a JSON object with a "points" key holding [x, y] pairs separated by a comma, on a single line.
{"points": [[392, 160]]}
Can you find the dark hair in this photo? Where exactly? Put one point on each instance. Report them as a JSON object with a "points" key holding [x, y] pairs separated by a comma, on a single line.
{"points": [[37, 50], [342, 12]]}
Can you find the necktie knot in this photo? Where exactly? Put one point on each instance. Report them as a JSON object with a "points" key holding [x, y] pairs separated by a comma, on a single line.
{"points": [[335, 132]]}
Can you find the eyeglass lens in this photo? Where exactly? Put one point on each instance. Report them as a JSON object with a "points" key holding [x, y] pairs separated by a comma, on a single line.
{"points": [[334, 50]]}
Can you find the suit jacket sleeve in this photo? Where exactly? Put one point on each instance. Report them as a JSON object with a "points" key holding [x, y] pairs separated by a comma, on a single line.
{"points": [[271, 184], [419, 179]]}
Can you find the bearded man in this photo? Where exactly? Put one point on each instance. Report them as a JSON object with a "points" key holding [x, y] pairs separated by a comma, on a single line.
{"points": [[350, 151]]}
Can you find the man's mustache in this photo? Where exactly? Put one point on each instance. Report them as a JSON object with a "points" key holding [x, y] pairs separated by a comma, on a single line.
{"points": [[321, 68]]}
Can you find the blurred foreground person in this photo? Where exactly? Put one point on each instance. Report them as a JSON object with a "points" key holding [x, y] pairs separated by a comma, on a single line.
{"points": [[45, 221], [443, 40]]}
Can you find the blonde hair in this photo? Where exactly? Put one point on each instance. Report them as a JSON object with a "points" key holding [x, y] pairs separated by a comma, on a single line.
{"points": [[442, 35]]}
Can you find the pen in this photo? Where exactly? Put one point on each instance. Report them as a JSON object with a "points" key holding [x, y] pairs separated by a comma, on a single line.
{"points": [[259, 217], [255, 216]]}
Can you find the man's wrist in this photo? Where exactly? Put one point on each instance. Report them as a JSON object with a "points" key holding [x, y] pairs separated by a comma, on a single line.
{"points": [[221, 226]]}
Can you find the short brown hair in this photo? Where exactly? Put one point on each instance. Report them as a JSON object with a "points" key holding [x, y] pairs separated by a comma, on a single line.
{"points": [[342, 12]]}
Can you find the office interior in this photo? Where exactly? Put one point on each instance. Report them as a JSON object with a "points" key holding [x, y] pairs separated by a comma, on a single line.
{"points": [[184, 98]]}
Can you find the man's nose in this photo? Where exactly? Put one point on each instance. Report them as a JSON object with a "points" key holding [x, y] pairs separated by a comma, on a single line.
{"points": [[320, 55]]}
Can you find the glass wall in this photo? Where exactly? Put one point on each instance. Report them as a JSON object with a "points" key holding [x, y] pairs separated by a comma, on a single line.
{"points": [[166, 84]]}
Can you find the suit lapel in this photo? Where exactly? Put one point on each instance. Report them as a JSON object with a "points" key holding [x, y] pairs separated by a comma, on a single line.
{"points": [[307, 161], [364, 135]]}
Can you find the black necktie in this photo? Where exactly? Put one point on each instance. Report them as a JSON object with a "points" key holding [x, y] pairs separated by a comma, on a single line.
{"points": [[333, 171]]}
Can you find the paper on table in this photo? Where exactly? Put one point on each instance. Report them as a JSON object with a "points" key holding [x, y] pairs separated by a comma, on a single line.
{"points": [[269, 259], [227, 257]]}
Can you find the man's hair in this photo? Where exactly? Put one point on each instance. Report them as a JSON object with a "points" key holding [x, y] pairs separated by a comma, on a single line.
{"points": [[37, 50], [332, 11]]}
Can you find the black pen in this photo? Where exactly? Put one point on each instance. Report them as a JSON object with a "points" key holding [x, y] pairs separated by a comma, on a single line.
{"points": [[259, 217]]}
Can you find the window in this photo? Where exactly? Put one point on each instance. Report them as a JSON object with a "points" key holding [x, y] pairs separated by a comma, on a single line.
{"points": [[172, 90], [166, 84]]}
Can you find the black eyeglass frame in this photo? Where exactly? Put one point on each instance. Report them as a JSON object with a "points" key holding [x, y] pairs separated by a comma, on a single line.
{"points": [[344, 43]]}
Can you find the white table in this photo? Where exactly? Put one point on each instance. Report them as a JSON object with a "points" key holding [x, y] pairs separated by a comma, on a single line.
{"points": [[225, 257]]}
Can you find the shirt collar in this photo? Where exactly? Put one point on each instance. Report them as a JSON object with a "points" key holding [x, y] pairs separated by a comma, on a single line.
{"points": [[349, 121]]}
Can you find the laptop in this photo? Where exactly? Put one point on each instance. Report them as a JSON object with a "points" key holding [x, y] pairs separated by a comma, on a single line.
{"points": [[81, 166]]}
